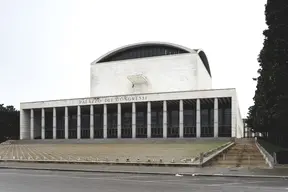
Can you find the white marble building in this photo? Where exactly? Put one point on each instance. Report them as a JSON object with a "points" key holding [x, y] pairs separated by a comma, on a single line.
{"points": [[145, 90]]}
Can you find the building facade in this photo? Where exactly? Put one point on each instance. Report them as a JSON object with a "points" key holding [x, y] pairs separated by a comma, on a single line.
{"points": [[145, 90]]}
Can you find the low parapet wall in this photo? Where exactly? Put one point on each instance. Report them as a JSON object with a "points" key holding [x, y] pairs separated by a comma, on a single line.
{"points": [[214, 153], [268, 158]]}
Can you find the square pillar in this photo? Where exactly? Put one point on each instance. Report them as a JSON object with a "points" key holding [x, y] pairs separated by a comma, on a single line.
{"points": [[66, 118], [148, 119], [91, 122], [78, 122], [105, 121], [216, 117], [32, 128], [233, 116], [164, 119], [54, 123], [119, 120], [181, 119], [198, 118], [42, 123], [133, 120], [23, 124]]}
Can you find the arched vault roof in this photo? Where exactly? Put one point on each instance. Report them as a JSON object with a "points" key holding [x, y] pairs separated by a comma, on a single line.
{"points": [[150, 49]]}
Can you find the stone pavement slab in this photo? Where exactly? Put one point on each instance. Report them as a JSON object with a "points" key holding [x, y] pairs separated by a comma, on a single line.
{"points": [[109, 152]]}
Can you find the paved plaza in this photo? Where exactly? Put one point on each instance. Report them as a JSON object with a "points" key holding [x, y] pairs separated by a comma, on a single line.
{"points": [[47, 181], [109, 152]]}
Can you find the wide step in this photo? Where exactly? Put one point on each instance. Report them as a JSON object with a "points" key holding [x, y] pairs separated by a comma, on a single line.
{"points": [[241, 155]]}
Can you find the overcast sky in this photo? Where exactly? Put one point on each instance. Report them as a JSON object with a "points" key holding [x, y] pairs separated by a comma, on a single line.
{"points": [[46, 46]]}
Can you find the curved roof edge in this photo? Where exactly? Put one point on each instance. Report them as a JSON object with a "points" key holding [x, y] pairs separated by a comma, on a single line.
{"points": [[131, 46], [200, 52], [204, 59]]}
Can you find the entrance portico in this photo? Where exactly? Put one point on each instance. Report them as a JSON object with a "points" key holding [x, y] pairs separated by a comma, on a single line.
{"points": [[206, 113], [144, 90]]}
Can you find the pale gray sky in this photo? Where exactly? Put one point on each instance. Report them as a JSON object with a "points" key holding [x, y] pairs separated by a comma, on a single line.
{"points": [[46, 46]]}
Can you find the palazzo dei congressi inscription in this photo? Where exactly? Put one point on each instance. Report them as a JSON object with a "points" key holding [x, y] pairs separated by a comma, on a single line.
{"points": [[85, 101], [112, 99]]}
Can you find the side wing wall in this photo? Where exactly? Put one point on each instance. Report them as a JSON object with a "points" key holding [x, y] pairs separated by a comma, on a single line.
{"points": [[204, 81]]}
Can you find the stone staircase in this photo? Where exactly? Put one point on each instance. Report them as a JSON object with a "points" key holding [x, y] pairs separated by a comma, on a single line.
{"points": [[243, 154]]}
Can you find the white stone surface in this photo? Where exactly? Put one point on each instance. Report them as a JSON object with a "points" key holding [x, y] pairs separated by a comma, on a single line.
{"points": [[24, 124], [181, 119], [105, 121], [133, 120], [198, 118], [78, 122], [239, 120], [54, 123], [32, 131], [204, 81], [164, 119], [91, 121], [148, 119], [164, 73], [42, 123], [216, 117], [66, 117], [119, 120]]}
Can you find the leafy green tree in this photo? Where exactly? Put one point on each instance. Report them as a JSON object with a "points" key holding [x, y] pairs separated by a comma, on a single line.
{"points": [[9, 122], [269, 114]]}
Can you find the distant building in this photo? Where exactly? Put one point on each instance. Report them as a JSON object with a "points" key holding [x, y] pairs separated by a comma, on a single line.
{"points": [[248, 133], [145, 90]]}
